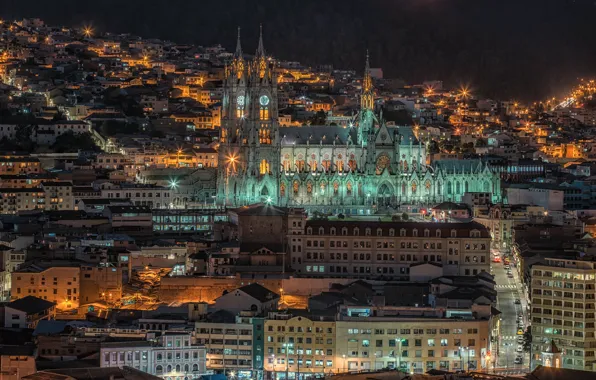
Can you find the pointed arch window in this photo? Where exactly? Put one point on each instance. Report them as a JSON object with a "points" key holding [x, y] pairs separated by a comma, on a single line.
{"points": [[282, 189], [296, 187], [264, 167], [349, 188], [265, 135]]}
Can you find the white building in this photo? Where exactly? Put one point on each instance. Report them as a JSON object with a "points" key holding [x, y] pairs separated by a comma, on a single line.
{"points": [[172, 357]]}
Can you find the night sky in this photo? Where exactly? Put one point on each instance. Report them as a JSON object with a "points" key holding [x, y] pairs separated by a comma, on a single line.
{"points": [[527, 49]]}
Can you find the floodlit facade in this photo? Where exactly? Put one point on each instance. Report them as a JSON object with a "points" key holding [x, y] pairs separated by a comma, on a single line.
{"points": [[328, 168]]}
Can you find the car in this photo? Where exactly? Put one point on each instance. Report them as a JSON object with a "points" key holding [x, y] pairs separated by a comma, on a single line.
{"points": [[519, 348], [518, 360], [517, 302], [510, 275]]}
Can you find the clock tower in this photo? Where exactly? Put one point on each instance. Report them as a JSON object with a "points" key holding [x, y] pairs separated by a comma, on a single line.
{"points": [[249, 153]]}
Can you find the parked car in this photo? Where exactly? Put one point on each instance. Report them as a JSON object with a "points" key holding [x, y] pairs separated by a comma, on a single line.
{"points": [[520, 348], [517, 302], [518, 360]]}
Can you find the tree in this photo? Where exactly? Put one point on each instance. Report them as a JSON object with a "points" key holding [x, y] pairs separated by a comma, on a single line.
{"points": [[24, 137], [481, 142], [113, 127], [71, 142], [318, 118], [405, 216], [395, 218], [527, 345]]}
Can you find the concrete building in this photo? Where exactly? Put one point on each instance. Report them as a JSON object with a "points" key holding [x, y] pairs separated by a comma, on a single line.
{"points": [[58, 284], [550, 197], [300, 342], [563, 293], [416, 340], [25, 313], [16, 362], [233, 345]]}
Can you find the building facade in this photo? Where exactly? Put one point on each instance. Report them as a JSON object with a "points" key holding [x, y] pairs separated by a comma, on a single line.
{"points": [[386, 250], [327, 167], [416, 340], [174, 358], [563, 306]]}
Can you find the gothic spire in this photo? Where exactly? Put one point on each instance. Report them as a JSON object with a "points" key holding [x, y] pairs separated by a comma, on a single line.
{"points": [[367, 98], [238, 53], [260, 48]]}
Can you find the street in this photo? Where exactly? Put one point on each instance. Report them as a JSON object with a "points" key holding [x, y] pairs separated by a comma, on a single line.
{"points": [[508, 290]]}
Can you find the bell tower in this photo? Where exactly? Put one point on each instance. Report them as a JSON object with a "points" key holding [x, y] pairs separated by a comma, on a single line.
{"points": [[249, 151], [367, 99]]}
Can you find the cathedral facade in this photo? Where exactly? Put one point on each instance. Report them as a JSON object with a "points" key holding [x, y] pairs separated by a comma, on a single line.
{"points": [[329, 168]]}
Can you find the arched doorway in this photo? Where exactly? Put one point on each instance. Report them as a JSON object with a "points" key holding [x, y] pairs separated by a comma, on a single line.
{"points": [[385, 194]]}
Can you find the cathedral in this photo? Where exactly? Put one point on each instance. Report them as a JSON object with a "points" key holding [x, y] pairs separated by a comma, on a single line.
{"points": [[350, 169]]}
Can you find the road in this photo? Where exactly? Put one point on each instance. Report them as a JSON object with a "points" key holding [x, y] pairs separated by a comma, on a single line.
{"points": [[508, 290]]}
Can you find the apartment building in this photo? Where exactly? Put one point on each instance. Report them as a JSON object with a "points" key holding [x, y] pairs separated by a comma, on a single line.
{"points": [[364, 249], [58, 195], [173, 357], [50, 196], [230, 346], [563, 308], [300, 342], [59, 284], [19, 165], [416, 340]]}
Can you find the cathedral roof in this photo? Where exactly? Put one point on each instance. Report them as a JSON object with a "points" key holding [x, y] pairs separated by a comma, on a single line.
{"points": [[260, 209], [459, 166], [316, 135]]}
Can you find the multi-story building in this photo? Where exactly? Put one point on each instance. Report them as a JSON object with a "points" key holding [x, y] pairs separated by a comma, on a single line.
{"points": [[415, 340], [58, 195], [563, 307], [19, 165], [50, 196], [140, 195], [230, 346], [174, 357], [59, 284], [10, 260], [364, 249], [300, 342]]}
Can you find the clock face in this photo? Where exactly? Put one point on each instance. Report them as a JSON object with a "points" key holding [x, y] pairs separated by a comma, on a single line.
{"points": [[240, 100], [264, 100]]}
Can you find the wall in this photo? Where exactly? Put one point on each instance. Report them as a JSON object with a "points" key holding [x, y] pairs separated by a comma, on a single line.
{"points": [[207, 289]]}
